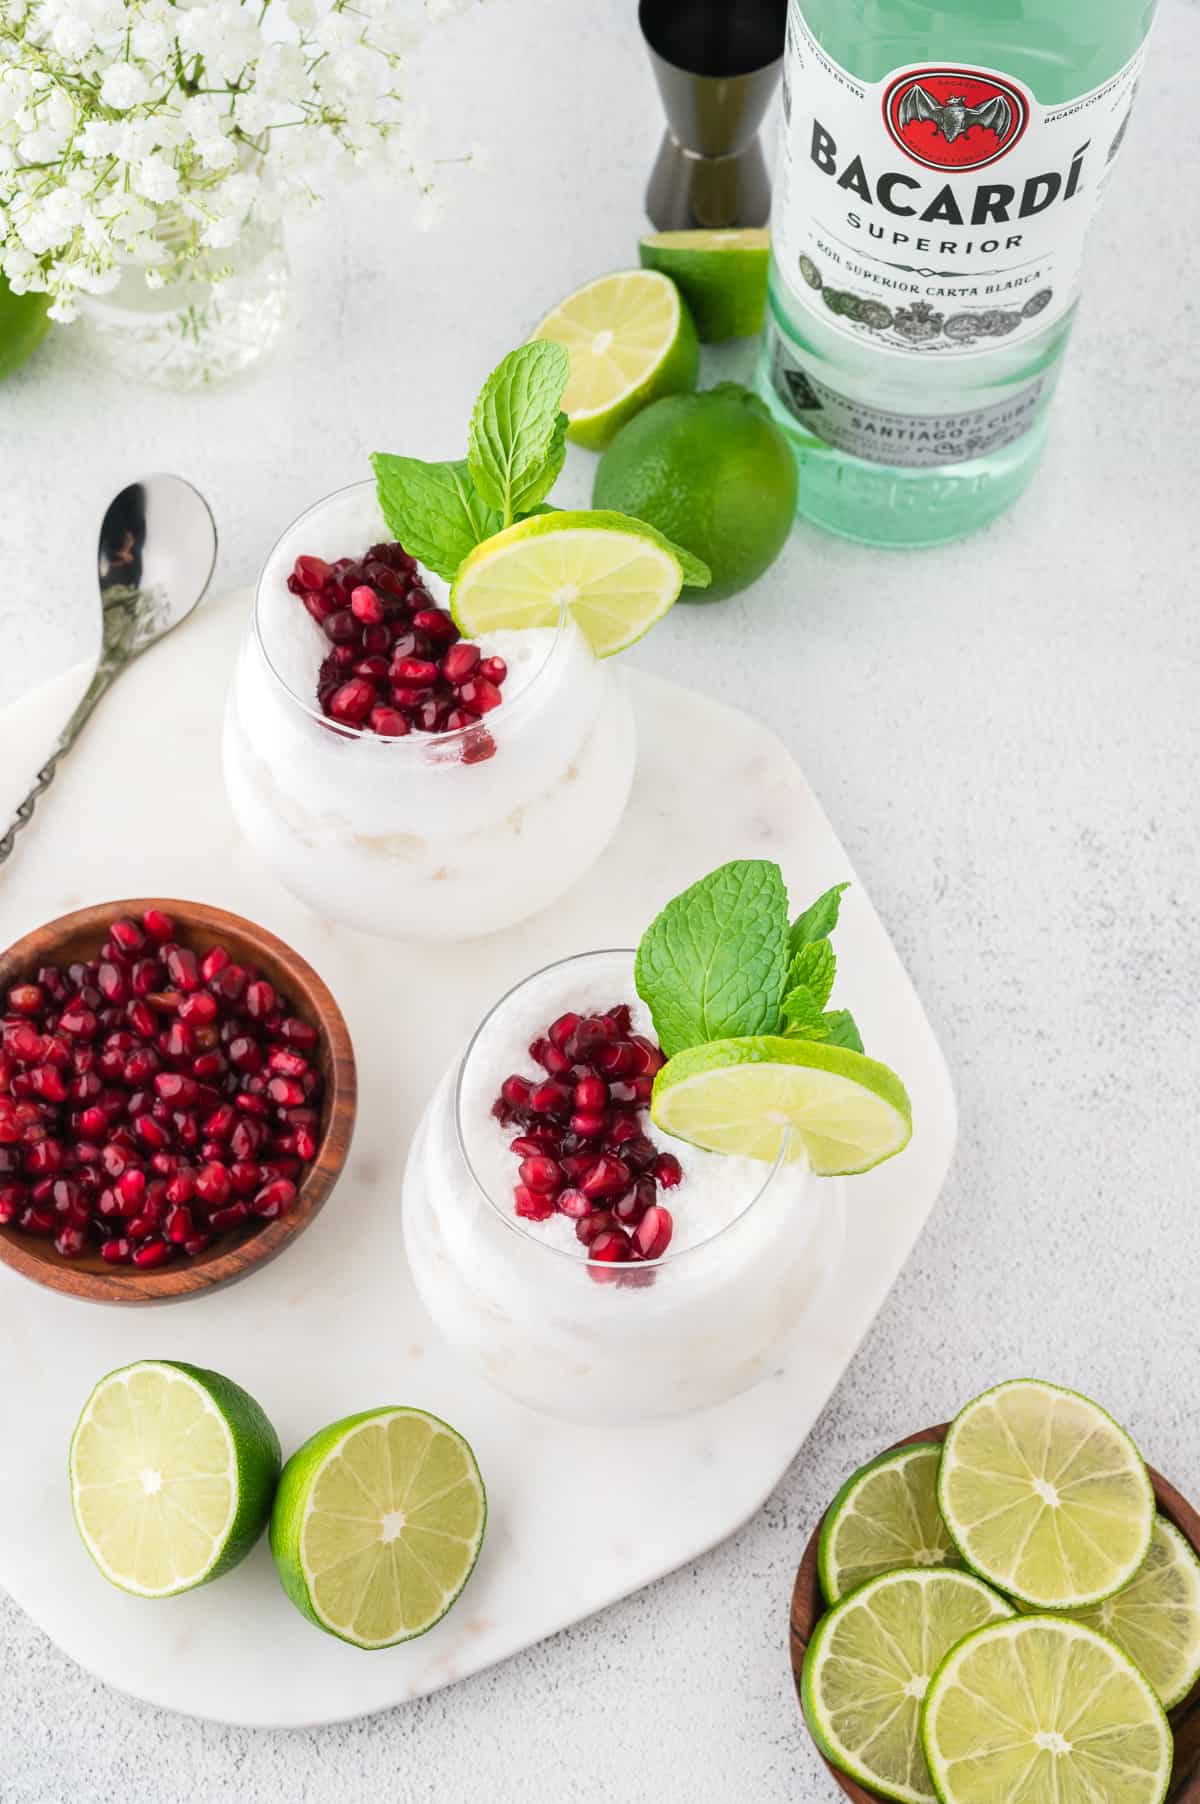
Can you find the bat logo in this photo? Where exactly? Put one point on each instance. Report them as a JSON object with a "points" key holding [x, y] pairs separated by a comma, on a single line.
{"points": [[954, 119]]}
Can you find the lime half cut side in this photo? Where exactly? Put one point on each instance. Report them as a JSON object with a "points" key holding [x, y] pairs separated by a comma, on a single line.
{"points": [[884, 1517], [846, 1111], [721, 274], [1156, 1618], [173, 1470], [1045, 1496], [615, 575], [868, 1666], [1042, 1710], [630, 339], [378, 1524]]}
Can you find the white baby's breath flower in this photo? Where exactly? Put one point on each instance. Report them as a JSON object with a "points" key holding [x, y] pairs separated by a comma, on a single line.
{"points": [[124, 86], [156, 179]]}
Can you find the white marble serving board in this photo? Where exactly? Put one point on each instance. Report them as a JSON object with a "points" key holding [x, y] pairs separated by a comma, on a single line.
{"points": [[579, 1517]]}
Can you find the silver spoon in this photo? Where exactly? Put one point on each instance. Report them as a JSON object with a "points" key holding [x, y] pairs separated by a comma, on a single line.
{"points": [[158, 545]]}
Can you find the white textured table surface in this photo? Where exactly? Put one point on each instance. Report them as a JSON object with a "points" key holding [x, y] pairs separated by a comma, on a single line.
{"points": [[1005, 734]]}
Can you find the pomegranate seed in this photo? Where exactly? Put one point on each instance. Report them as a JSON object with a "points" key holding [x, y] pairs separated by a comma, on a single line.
{"points": [[47, 1083], [587, 1125], [611, 1246], [591, 1094], [22, 1042], [117, 1252], [630, 1208], [275, 1199], [286, 1092], [151, 1253], [131, 1188], [26, 999], [573, 1203], [229, 984], [199, 1243], [353, 701], [609, 1176], [478, 747], [533, 1205], [141, 1018], [199, 1009], [589, 1226], [287, 1063], [183, 967], [517, 1093], [494, 669], [158, 925], [550, 1058], [180, 1189], [480, 695], [537, 1141], [45, 1157], [178, 1225], [668, 1171], [459, 662], [389, 723], [311, 572], [222, 1220], [436, 624], [151, 1133], [214, 963], [366, 605], [173, 1087], [69, 1242], [652, 1235], [541, 1174], [298, 1033], [126, 934], [212, 1184], [550, 1099], [245, 1177]]}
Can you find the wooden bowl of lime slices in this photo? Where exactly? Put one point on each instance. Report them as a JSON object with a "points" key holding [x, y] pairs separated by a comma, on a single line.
{"points": [[809, 1607]]}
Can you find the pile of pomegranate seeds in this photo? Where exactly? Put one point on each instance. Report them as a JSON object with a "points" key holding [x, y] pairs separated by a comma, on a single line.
{"points": [[582, 1145], [152, 1099], [397, 663]]}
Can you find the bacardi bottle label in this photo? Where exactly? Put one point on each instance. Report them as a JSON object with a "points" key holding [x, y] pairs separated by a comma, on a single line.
{"points": [[941, 211]]}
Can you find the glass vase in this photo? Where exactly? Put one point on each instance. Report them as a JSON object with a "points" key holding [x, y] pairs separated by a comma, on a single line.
{"points": [[218, 318]]}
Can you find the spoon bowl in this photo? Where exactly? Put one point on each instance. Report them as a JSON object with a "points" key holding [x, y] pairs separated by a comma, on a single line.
{"points": [[158, 548]]}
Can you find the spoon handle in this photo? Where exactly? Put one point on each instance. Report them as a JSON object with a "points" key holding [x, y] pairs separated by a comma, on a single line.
{"points": [[66, 739]]}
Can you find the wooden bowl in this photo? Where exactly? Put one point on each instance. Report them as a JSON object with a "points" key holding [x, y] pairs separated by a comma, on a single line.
{"points": [[808, 1607], [78, 936]]}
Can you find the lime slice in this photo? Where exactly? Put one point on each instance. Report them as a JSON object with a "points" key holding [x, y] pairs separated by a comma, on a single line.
{"points": [[721, 275], [1045, 1496], [630, 339], [617, 576], [1156, 1618], [868, 1666], [845, 1110], [1044, 1711], [884, 1517], [378, 1524], [172, 1474]]}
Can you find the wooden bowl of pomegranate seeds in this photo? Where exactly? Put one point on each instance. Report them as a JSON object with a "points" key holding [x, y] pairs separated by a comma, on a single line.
{"points": [[177, 1099]]}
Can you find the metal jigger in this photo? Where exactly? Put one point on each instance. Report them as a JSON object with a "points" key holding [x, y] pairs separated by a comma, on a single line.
{"points": [[716, 63]]}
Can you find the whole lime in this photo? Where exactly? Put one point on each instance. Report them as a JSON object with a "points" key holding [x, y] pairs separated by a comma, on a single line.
{"points": [[714, 473], [23, 325]]}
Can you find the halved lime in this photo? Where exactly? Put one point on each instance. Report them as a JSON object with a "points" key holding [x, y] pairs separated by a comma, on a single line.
{"points": [[884, 1517], [617, 576], [1042, 1710], [1045, 1496], [846, 1111], [868, 1666], [630, 339], [172, 1474], [1156, 1618], [378, 1524], [721, 275]]}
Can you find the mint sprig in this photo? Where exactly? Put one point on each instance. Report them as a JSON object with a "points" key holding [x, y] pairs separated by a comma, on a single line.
{"points": [[518, 441], [518, 431], [712, 966], [720, 962], [434, 510]]}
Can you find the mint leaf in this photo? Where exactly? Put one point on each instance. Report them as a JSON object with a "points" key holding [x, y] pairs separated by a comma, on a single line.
{"points": [[814, 967], [713, 964], [819, 921], [518, 433], [802, 1015], [842, 1030], [433, 509]]}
